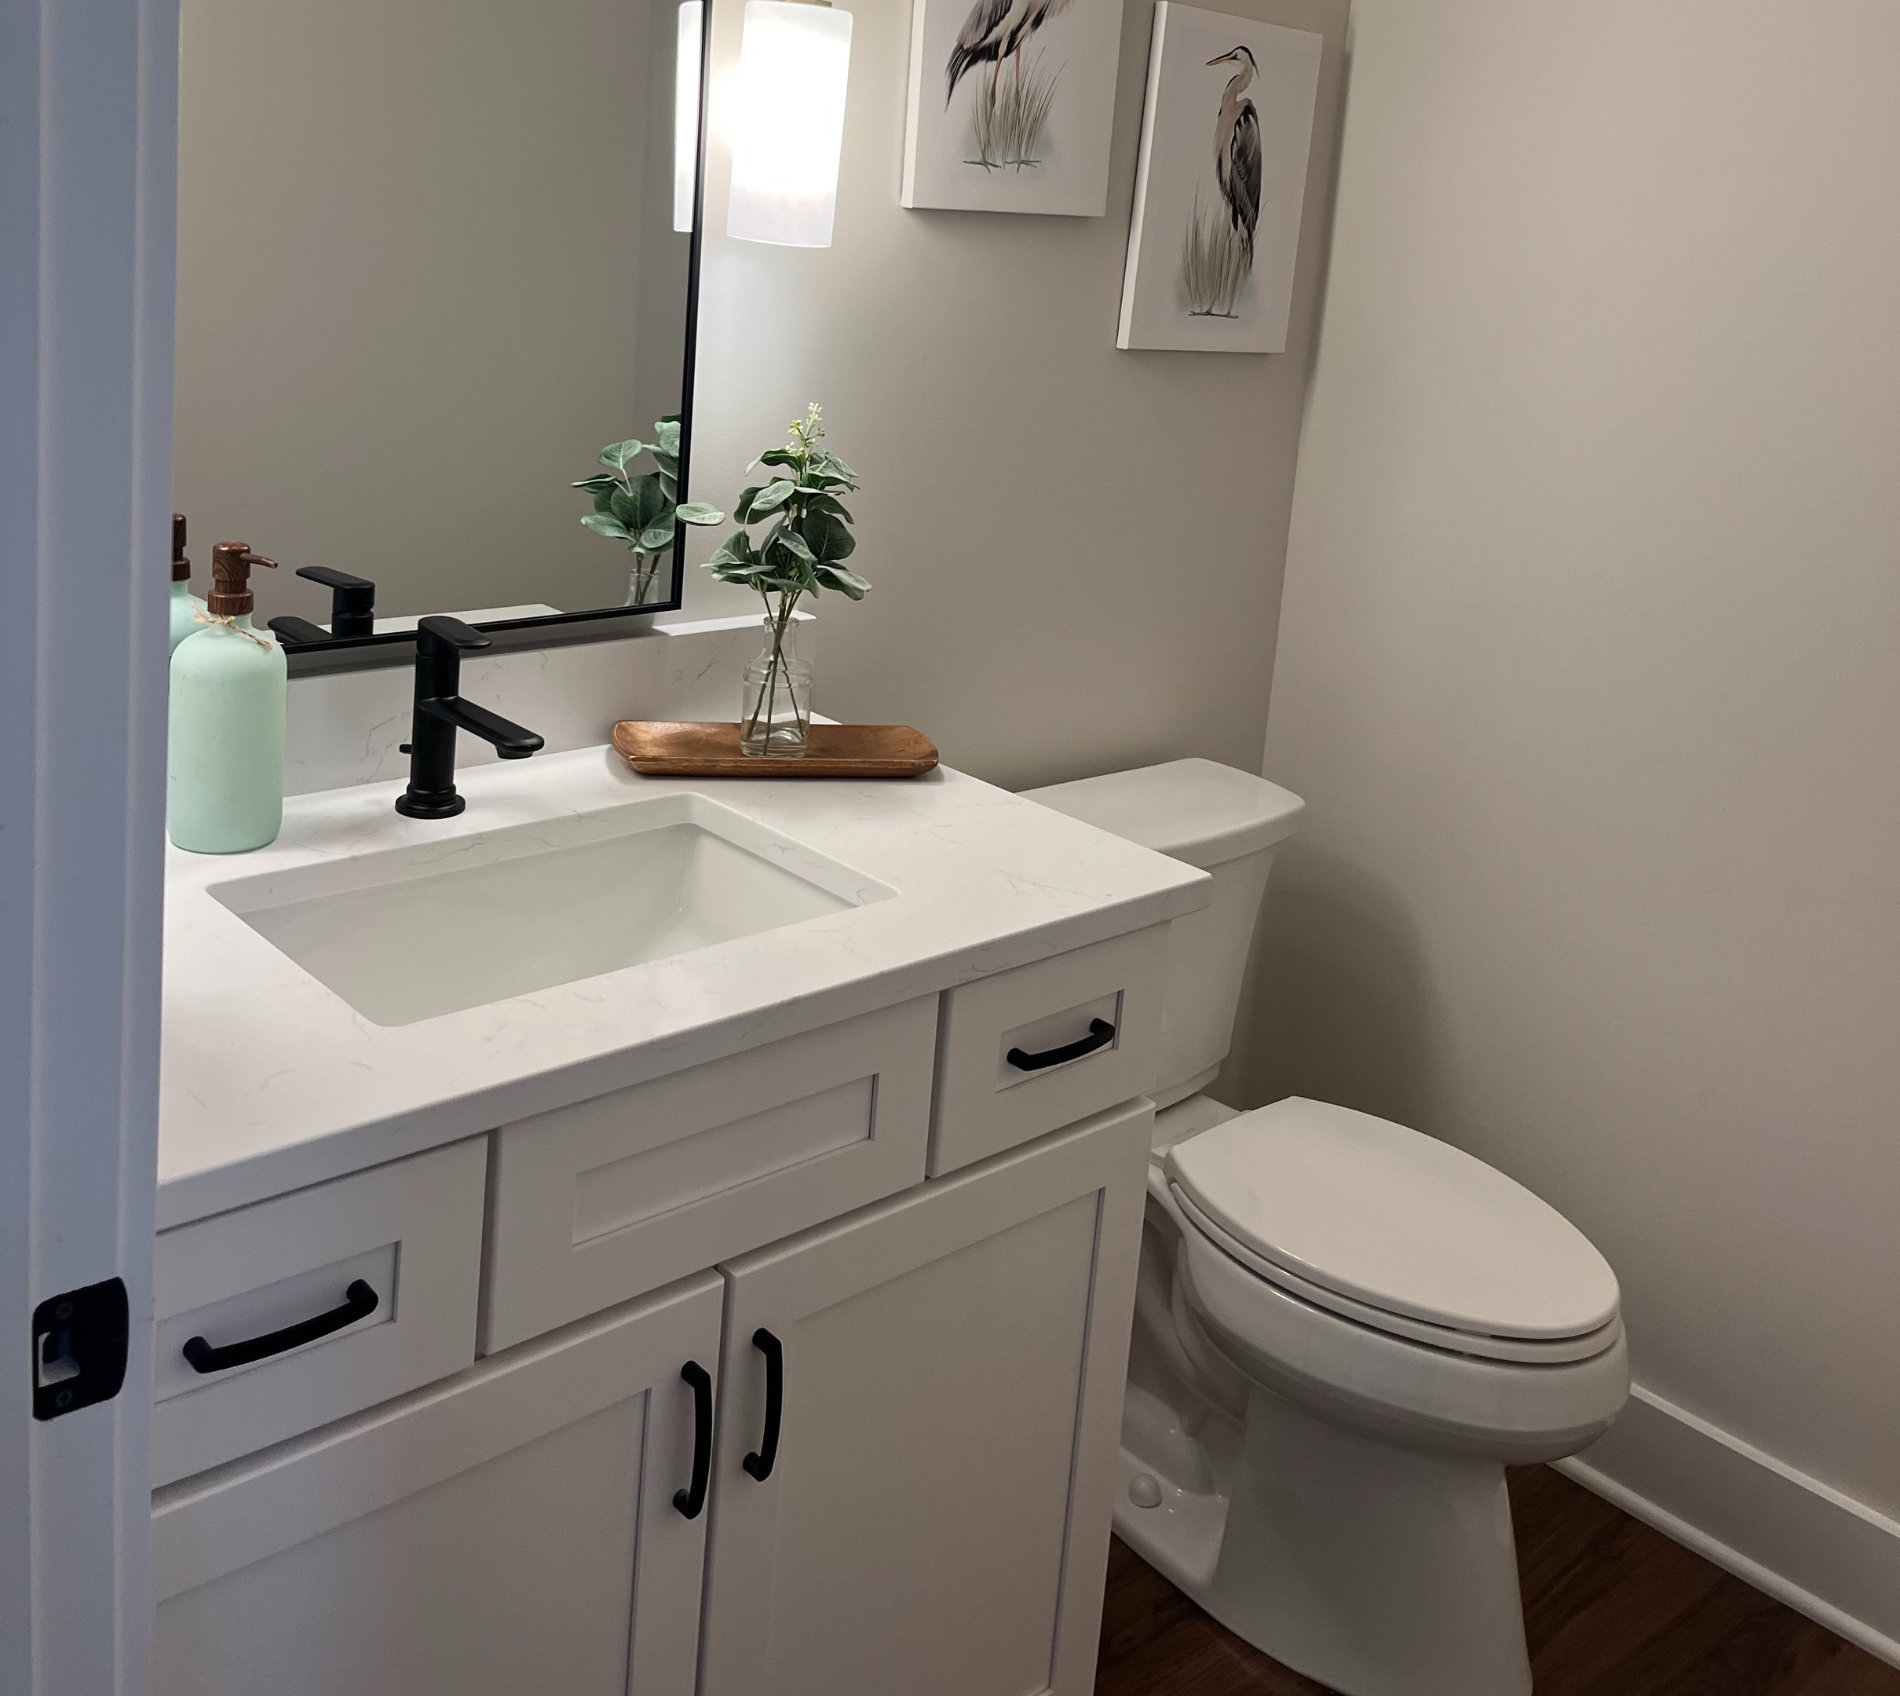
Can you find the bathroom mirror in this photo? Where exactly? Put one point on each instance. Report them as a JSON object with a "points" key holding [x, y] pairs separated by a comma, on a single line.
{"points": [[433, 256]]}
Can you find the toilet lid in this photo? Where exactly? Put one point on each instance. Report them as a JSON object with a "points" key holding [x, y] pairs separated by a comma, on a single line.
{"points": [[1396, 1220]]}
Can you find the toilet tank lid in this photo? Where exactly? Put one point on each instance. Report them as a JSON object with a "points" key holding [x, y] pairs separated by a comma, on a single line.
{"points": [[1195, 810]]}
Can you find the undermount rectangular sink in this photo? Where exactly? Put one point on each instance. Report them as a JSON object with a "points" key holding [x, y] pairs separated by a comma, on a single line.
{"points": [[412, 933]]}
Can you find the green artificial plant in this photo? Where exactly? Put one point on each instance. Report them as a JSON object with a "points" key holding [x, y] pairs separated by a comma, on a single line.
{"points": [[642, 508], [805, 550]]}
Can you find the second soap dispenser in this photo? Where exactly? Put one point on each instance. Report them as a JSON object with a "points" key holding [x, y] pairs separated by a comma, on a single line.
{"points": [[185, 606], [225, 771]]}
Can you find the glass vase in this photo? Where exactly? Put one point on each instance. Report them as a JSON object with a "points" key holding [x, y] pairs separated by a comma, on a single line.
{"points": [[648, 580], [775, 702]]}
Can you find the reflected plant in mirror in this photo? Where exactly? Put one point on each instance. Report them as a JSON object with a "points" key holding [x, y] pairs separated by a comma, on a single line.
{"points": [[803, 554], [643, 509]]}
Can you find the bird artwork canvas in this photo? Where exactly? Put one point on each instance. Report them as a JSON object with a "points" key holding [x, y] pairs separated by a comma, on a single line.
{"points": [[1011, 105], [1220, 185]]}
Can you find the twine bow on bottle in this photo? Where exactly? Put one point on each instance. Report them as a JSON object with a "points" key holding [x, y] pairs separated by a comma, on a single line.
{"points": [[230, 622]]}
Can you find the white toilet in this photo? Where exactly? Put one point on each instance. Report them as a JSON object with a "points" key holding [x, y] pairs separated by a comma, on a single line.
{"points": [[1344, 1328]]}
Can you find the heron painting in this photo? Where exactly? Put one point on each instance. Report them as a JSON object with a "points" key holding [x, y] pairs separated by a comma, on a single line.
{"points": [[1225, 137], [1217, 249], [1011, 104], [1008, 114]]}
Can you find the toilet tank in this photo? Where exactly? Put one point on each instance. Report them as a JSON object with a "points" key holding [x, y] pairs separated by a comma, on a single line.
{"points": [[1228, 822]]}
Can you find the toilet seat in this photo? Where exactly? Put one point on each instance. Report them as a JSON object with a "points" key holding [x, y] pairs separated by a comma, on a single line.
{"points": [[1528, 1352], [1377, 1381], [1396, 1230]]}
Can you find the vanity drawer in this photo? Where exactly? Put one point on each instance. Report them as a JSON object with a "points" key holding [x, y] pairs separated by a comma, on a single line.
{"points": [[600, 1202], [409, 1232], [1000, 1081]]}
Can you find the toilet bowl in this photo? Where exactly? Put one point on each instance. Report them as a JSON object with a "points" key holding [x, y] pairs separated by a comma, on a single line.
{"points": [[1344, 1329]]}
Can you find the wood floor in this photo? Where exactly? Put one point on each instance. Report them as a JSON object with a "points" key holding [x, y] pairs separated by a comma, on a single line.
{"points": [[1612, 1608]]}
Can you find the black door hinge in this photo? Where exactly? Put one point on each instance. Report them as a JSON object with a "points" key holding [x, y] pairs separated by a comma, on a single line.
{"points": [[79, 1344]]}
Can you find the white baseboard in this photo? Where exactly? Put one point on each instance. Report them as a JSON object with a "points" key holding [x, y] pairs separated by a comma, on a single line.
{"points": [[1792, 1536]]}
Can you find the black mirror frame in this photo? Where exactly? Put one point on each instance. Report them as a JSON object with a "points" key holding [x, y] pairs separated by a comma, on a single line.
{"points": [[391, 647]]}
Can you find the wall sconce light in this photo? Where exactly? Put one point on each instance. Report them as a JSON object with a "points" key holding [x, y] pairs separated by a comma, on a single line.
{"points": [[686, 61], [788, 125]]}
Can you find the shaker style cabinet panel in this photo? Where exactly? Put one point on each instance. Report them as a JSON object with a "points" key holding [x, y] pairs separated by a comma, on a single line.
{"points": [[917, 1437], [595, 1203], [279, 1317], [511, 1530], [1031, 1050]]}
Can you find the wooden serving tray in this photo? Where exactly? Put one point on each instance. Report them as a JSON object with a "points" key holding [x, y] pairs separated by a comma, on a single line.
{"points": [[659, 749]]}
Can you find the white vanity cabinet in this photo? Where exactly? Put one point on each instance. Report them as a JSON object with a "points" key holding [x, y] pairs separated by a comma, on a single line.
{"points": [[512, 1530], [913, 1500], [858, 1297], [934, 1517]]}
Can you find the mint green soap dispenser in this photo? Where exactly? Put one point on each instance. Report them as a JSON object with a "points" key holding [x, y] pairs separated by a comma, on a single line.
{"points": [[225, 777], [185, 605]]}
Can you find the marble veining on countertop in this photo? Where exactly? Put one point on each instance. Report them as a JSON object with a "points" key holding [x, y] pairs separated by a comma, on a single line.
{"points": [[270, 1081]]}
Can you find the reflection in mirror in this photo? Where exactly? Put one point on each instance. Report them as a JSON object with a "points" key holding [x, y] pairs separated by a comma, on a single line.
{"points": [[433, 257]]}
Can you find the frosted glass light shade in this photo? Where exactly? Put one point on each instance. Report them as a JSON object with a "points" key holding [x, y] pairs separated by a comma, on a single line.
{"points": [[788, 124], [686, 113]]}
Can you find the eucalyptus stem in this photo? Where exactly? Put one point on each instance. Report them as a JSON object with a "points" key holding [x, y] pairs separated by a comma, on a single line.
{"points": [[645, 569], [776, 668], [769, 699]]}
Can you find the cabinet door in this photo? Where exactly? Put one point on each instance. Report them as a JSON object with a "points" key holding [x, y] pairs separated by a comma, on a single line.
{"points": [[936, 1519], [510, 1530]]}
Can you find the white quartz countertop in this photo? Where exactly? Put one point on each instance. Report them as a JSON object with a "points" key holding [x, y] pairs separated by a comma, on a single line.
{"points": [[270, 1081]]}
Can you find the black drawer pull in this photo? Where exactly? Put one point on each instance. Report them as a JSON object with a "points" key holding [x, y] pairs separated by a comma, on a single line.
{"points": [[761, 1461], [690, 1500], [1101, 1034], [359, 1301]]}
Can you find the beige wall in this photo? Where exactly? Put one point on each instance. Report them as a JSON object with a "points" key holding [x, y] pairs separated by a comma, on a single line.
{"points": [[1076, 551], [1589, 668]]}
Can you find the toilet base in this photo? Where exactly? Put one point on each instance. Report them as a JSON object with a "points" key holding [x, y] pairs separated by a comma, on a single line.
{"points": [[1375, 1569]]}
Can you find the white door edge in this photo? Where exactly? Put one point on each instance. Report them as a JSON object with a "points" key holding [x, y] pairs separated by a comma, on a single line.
{"points": [[88, 125]]}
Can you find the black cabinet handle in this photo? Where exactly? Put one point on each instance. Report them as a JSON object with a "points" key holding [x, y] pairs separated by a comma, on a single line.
{"points": [[1101, 1034], [761, 1461], [690, 1500], [359, 1301]]}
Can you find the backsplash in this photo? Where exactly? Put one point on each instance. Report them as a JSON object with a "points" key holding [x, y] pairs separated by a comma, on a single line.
{"points": [[348, 727]]}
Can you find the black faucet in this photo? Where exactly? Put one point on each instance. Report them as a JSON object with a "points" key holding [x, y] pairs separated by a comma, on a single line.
{"points": [[440, 712], [352, 609]]}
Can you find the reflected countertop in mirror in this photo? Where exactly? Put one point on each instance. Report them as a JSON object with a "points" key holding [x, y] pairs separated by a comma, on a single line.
{"points": [[432, 257]]}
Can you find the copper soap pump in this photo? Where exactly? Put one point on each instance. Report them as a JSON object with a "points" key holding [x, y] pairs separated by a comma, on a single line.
{"points": [[231, 564]]}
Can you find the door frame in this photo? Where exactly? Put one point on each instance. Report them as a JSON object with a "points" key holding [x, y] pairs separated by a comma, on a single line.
{"points": [[88, 152]]}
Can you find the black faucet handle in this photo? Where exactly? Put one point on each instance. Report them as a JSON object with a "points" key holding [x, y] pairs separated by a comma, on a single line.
{"points": [[331, 578], [440, 712], [352, 600], [301, 631], [451, 633]]}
